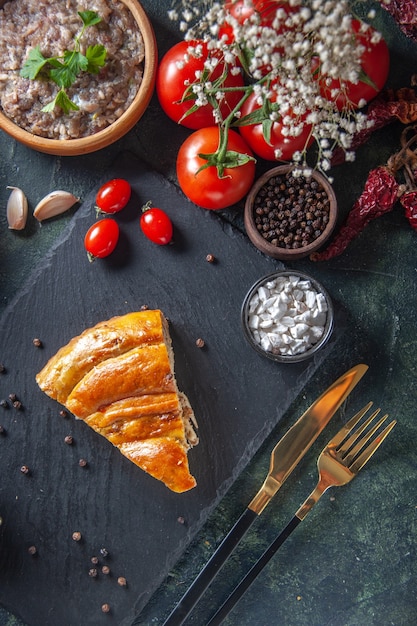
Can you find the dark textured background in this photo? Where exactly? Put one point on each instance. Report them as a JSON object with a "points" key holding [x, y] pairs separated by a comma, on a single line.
{"points": [[353, 561]]}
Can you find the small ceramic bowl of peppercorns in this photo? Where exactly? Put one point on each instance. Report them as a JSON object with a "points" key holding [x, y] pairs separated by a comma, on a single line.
{"points": [[290, 213]]}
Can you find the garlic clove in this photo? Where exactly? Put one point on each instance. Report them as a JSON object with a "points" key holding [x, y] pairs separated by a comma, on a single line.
{"points": [[17, 209], [54, 203]]}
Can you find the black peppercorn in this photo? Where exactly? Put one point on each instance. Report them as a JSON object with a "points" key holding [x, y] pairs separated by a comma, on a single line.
{"points": [[291, 211]]}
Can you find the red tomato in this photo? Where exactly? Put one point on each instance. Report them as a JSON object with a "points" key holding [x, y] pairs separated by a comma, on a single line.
{"points": [[375, 63], [204, 186], [241, 11], [254, 135], [156, 225], [101, 238], [113, 195], [175, 74]]}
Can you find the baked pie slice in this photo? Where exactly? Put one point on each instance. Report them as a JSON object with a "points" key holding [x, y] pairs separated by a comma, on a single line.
{"points": [[118, 377]]}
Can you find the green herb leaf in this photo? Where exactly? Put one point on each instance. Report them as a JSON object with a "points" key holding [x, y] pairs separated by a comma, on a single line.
{"points": [[63, 76], [96, 57], [61, 99], [89, 18], [34, 64], [65, 70]]}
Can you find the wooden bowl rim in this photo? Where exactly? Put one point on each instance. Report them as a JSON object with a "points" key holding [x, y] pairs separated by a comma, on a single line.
{"points": [[116, 130], [284, 253]]}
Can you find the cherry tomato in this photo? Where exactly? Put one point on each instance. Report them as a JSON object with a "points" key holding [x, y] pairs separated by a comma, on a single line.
{"points": [[255, 138], [204, 186], [175, 75], [375, 63], [156, 225], [113, 195], [101, 238]]}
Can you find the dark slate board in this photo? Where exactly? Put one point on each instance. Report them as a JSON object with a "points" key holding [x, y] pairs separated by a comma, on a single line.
{"points": [[237, 395]]}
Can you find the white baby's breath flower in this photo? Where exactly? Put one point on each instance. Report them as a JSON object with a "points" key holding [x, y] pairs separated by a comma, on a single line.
{"points": [[283, 59]]}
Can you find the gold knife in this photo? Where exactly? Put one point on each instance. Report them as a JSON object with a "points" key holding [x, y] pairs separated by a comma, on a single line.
{"points": [[284, 458]]}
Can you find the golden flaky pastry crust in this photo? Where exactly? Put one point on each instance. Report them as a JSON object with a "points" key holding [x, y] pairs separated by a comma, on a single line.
{"points": [[119, 378]]}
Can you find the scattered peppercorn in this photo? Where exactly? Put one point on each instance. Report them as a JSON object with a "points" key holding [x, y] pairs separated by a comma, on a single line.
{"points": [[105, 608], [17, 405], [4, 404], [94, 560], [200, 343], [82, 463], [291, 211], [24, 469], [76, 536], [69, 440], [122, 581], [210, 258], [12, 397], [32, 550], [144, 307], [105, 570], [63, 413], [93, 572], [104, 552], [37, 342]]}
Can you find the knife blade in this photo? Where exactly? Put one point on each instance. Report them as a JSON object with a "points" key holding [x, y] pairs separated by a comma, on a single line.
{"points": [[284, 458]]}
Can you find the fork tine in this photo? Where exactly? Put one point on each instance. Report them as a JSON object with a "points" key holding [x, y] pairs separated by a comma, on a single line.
{"points": [[349, 450], [371, 448], [347, 428]]}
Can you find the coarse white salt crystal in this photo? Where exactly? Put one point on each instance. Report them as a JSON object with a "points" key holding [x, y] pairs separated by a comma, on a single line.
{"points": [[287, 315], [310, 298], [253, 321], [263, 294]]}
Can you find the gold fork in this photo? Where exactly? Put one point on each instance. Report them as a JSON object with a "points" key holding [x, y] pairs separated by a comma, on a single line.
{"points": [[340, 461]]}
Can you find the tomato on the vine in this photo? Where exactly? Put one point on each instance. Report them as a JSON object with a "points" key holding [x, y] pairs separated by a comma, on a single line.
{"points": [[266, 138], [375, 63], [156, 225], [211, 185], [113, 195], [264, 10], [101, 238], [174, 79]]}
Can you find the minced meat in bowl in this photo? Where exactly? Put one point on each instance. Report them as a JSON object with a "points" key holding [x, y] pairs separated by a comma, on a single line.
{"points": [[52, 24]]}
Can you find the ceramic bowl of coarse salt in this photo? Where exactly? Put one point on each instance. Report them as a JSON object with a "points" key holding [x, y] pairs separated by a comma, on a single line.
{"points": [[287, 316]]}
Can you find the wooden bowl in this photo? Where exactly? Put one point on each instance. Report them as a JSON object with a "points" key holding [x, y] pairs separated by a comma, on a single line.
{"points": [[283, 253], [119, 128]]}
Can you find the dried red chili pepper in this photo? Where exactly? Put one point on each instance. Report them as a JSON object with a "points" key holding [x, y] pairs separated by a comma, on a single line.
{"points": [[388, 106], [409, 202], [378, 197], [404, 13]]}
